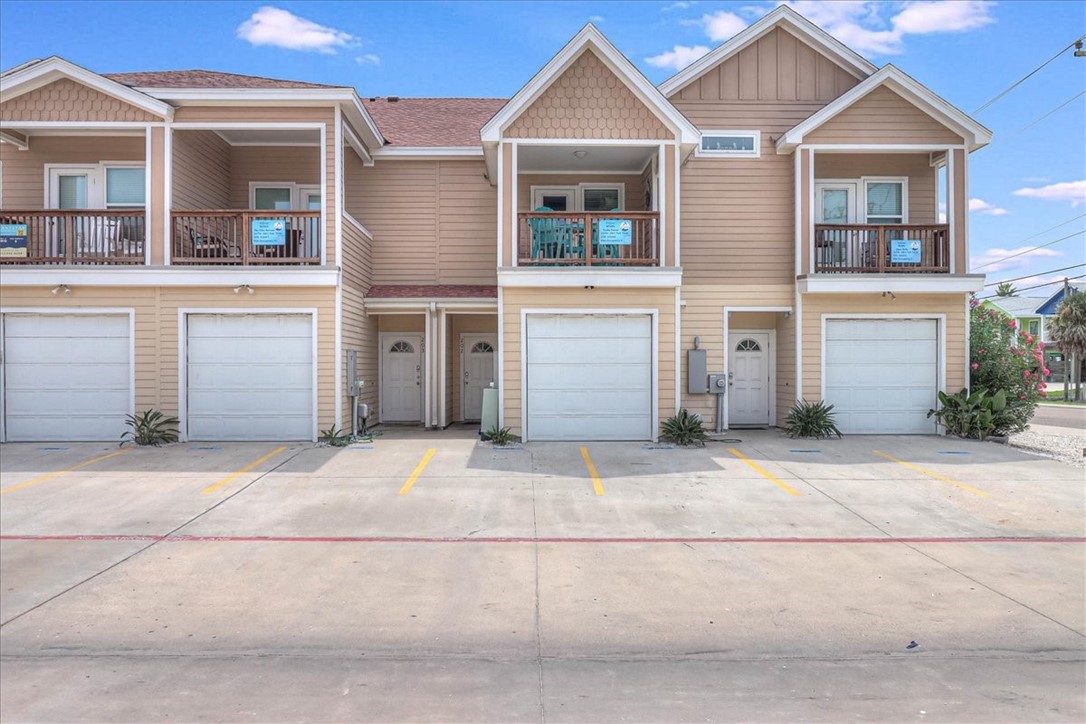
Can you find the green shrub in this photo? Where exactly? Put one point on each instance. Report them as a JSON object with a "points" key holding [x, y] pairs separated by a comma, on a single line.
{"points": [[975, 415], [811, 419], [1004, 358], [150, 428], [335, 437], [500, 436], [685, 428]]}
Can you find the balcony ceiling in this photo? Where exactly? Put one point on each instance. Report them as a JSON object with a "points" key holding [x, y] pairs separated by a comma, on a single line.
{"points": [[269, 137], [598, 159]]}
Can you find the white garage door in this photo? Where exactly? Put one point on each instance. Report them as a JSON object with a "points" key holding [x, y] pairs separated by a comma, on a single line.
{"points": [[589, 377], [882, 374], [250, 377], [66, 376]]}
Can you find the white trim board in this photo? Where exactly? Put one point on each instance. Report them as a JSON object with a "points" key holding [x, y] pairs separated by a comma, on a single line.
{"points": [[897, 283], [182, 354], [130, 312]]}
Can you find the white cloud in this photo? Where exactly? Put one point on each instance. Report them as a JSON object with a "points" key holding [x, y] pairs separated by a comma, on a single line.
{"points": [[678, 58], [994, 260], [1037, 179], [681, 5], [595, 18], [942, 212], [722, 25], [943, 17], [979, 206], [368, 59], [283, 29], [1073, 191]]}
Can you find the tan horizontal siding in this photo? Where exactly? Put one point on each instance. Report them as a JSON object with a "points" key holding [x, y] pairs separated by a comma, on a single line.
{"points": [[515, 300], [815, 305], [778, 66], [466, 224], [359, 334], [882, 116], [634, 185], [201, 171], [461, 324], [271, 164], [156, 342], [24, 171], [279, 113]]}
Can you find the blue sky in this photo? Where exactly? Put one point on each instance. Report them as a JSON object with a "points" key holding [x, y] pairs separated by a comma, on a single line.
{"points": [[1032, 177]]}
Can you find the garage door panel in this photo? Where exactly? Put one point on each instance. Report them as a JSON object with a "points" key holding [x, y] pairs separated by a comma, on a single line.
{"points": [[588, 377], [67, 377], [250, 377], [881, 375]]}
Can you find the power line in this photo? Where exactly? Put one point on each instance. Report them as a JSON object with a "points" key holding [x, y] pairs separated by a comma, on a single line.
{"points": [[1050, 271], [1031, 125], [1032, 248], [1036, 286], [1028, 75]]}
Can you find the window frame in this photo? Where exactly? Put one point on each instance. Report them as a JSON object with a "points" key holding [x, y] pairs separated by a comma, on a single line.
{"points": [[297, 193], [862, 202], [578, 194], [106, 166], [711, 153]]}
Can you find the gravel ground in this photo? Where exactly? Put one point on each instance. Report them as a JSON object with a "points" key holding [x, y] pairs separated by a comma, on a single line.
{"points": [[1061, 443]]}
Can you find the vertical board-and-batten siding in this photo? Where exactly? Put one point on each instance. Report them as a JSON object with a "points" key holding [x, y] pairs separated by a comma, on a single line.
{"points": [[156, 326], [65, 101], [24, 174], [433, 222], [588, 101]]}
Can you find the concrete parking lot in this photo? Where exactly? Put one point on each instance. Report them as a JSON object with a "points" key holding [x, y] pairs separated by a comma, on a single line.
{"points": [[431, 577]]}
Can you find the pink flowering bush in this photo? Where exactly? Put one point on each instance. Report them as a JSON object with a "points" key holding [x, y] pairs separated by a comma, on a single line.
{"points": [[1004, 358]]}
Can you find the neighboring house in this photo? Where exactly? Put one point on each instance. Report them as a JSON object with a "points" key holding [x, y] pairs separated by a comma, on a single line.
{"points": [[1022, 310], [238, 250], [1046, 309]]}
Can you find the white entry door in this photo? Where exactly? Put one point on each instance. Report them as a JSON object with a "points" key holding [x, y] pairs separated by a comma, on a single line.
{"points": [[477, 362], [401, 378], [748, 369]]}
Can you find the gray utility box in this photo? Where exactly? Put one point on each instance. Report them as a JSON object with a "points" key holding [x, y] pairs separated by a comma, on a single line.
{"points": [[718, 384], [695, 372]]}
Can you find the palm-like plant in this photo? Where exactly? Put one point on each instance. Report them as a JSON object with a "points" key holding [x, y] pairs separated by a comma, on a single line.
{"points": [[1068, 331], [1005, 289]]}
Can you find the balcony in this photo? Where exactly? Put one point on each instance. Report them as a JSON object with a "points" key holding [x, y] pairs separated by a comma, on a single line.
{"points": [[245, 237], [882, 249], [623, 238], [70, 236]]}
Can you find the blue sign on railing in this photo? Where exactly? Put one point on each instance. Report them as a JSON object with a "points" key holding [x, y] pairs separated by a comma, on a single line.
{"points": [[13, 240], [905, 251], [268, 232], [616, 231]]}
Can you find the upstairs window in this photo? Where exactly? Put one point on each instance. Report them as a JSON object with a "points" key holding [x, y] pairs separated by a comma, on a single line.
{"points": [[734, 144], [601, 198], [125, 187], [885, 201]]}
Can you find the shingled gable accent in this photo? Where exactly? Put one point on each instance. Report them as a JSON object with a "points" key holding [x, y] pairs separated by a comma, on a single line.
{"points": [[782, 17], [627, 79], [889, 107], [55, 89]]}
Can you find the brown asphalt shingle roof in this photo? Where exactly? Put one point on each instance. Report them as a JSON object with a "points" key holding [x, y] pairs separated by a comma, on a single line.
{"points": [[205, 79], [432, 121]]}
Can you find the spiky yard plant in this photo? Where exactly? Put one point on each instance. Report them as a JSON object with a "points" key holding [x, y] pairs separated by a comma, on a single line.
{"points": [[150, 427], [811, 419], [685, 429]]}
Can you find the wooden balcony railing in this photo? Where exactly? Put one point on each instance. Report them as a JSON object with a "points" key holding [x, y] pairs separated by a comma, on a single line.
{"points": [[245, 237], [879, 249], [618, 238], [73, 236]]}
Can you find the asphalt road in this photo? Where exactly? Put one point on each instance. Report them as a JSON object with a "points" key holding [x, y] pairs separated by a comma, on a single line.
{"points": [[1060, 416]]}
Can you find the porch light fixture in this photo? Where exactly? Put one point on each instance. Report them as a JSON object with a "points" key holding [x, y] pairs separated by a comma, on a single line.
{"points": [[246, 287], [892, 296], [580, 153], [589, 286], [62, 288]]}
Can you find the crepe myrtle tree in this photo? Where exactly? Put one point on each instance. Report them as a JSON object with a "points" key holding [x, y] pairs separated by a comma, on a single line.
{"points": [[1004, 358]]}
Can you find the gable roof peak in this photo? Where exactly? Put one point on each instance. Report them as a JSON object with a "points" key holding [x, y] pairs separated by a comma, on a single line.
{"points": [[781, 16]]}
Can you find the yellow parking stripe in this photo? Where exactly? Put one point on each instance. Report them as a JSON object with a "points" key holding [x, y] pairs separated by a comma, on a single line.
{"points": [[48, 476], [596, 484], [233, 476], [418, 471], [785, 487], [937, 476]]}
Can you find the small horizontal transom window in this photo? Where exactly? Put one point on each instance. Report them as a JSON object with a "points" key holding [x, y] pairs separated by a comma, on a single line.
{"points": [[730, 143]]}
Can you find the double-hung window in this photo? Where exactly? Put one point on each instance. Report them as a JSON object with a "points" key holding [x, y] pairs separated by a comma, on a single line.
{"points": [[125, 187], [884, 201]]}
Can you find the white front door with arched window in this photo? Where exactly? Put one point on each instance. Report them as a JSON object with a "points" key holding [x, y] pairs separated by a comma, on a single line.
{"points": [[749, 373], [477, 363], [401, 378]]}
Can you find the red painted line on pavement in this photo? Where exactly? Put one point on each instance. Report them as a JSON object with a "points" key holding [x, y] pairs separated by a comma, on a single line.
{"points": [[640, 541]]}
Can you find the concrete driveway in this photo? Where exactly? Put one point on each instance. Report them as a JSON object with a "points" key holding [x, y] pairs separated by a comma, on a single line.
{"points": [[430, 577]]}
